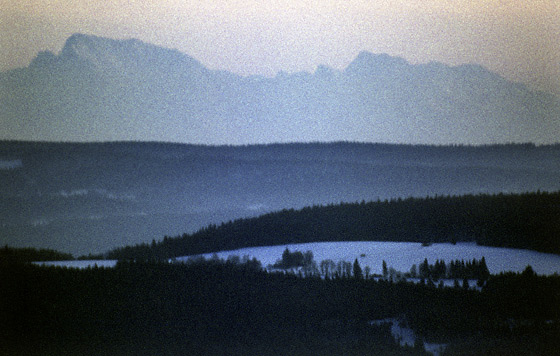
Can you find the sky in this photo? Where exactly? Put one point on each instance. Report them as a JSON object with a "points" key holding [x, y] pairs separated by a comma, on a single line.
{"points": [[516, 38]]}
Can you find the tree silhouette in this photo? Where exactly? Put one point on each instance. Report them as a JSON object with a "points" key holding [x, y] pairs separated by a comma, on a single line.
{"points": [[357, 270], [385, 270]]}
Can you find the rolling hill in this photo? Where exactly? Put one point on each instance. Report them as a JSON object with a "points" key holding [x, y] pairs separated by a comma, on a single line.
{"points": [[92, 197], [524, 221]]}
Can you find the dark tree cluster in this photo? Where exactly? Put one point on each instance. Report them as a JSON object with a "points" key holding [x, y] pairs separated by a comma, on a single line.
{"points": [[328, 269], [294, 259], [458, 269], [527, 221]]}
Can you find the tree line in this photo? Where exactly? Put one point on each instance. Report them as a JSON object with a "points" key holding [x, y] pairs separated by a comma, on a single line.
{"points": [[457, 269], [304, 265], [527, 221]]}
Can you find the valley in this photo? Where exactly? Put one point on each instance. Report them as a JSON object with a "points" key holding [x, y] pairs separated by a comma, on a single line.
{"points": [[86, 198]]}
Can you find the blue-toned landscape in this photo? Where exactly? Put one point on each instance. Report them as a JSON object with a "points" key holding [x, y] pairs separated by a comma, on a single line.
{"points": [[152, 205]]}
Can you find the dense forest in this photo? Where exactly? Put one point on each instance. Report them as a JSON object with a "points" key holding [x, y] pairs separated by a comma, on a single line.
{"points": [[526, 221], [224, 308]]}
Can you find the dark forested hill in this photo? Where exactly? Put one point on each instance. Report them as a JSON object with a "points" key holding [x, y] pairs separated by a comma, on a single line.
{"points": [[223, 308], [528, 221], [92, 197]]}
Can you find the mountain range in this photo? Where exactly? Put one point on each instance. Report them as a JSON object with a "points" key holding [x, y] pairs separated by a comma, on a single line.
{"points": [[100, 89]]}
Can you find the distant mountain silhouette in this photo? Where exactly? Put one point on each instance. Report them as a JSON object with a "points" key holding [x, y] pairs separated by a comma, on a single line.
{"points": [[129, 90]]}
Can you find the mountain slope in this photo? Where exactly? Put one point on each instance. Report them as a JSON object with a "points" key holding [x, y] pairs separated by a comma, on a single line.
{"points": [[98, 88]]}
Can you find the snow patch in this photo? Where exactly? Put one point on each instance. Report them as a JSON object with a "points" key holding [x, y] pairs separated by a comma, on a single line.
{"points": [[256, 207], [40, 222], [10, 164], [73, 193], [406, 336], [104, 193], [80, 264]]}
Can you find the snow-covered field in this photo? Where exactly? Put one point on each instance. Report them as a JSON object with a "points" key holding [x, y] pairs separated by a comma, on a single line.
{"points": [[398, 255], [402, 255]]}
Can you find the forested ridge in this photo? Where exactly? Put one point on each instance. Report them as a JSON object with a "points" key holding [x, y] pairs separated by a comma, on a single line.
{"points": [[526, 221], [86, 198]]}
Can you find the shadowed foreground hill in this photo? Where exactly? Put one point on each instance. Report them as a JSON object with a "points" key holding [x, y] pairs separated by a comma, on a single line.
{"points": [[223, 308], [196, 309], [528, 221]]}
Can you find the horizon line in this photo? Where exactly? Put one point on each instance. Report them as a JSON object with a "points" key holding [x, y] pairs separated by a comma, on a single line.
{"points": [[287, 143]]}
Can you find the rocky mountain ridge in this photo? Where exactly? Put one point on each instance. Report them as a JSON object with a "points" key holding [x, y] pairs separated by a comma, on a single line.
{"points": [[104, 89]]}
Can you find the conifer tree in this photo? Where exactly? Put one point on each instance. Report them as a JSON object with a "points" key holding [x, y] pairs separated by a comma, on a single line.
{"points": [[424, 269], [385, 270], [357, 270]]}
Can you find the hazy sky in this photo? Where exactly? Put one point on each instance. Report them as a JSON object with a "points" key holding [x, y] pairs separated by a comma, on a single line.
{"points": [[519, 39]]}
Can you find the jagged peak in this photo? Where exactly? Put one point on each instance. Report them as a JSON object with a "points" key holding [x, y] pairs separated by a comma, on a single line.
{"points": [[325, 71], [78, 42], [368, 61], [102, 52], [43, 59], [476, 70], [77, 37]]}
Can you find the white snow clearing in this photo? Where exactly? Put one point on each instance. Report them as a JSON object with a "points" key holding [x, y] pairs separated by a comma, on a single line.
{"points": [[402, 255], [398, 255]]}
